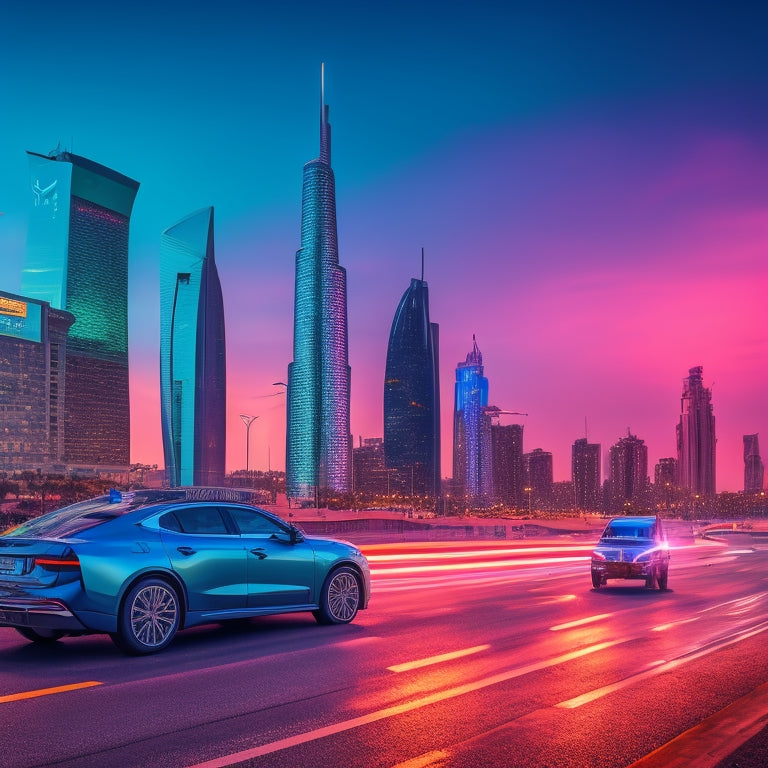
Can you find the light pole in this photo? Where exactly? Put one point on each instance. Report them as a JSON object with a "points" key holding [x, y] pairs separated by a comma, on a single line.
{"points": [[247, 420]]}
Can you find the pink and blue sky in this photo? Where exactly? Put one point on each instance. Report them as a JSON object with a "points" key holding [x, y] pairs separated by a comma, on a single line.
{"points": [[589, 182]]}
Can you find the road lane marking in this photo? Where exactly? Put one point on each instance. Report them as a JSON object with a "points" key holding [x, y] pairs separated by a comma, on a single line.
{"points": [[598, 693], [47, 691], [399, 709], [429, 760], [408, 665], [673, 624], [580, 622]]}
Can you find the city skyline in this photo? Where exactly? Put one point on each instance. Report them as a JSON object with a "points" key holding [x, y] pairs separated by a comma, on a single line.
{"points": [[589, 186]]}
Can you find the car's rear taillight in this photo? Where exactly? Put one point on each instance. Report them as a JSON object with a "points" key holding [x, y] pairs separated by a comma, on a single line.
{"points": [[64, 562], [598, 556]]}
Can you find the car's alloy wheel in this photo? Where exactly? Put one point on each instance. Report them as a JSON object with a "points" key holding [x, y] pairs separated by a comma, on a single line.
{"points": [[149, 617], [340, 598]]}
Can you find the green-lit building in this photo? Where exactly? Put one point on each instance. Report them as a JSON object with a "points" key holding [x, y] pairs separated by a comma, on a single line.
{"points": [[77, 260]]}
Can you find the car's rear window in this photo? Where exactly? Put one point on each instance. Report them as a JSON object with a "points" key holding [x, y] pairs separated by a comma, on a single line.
{"points": [[69, 521]]}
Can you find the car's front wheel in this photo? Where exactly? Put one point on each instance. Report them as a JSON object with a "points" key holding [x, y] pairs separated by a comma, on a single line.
{"points": [[597, 580], [662, 579], [40, 635], [340, 597], [149, 617]]}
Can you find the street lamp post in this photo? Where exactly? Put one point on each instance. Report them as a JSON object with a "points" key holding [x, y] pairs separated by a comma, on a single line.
{"points": [[247, 420]]}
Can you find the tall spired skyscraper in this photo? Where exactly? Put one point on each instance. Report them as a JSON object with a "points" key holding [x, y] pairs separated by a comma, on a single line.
{"points": [[192, 354], [77, 260], [412, 394], [318, 443], [696, 436], [472, 459]]}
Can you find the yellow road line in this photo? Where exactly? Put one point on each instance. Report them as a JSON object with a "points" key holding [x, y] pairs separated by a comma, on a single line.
{"points": [[47, 691]]}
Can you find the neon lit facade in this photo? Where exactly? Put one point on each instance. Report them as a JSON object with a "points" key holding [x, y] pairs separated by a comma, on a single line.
{"points": [[412, 395], [77, 260], [192, 354], [318, 443], [696, 436], [472, 459]]}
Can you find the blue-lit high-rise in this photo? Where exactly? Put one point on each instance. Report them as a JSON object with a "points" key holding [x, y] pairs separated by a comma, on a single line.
{"points": [[192, 354], [77, 260], [472, 458], [318, 445], [412, 395]]}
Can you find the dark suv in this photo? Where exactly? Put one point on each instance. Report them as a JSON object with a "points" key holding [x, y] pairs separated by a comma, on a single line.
{"points": [[632, 548]]}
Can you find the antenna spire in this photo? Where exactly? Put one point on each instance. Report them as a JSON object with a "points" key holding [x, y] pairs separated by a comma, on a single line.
{"points": [[325, 128], [422, 264]]}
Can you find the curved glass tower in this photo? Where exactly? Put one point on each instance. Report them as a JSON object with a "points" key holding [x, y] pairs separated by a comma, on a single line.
{"points": [[318, 446], [412, 395], [192, 354], [472, 465]]}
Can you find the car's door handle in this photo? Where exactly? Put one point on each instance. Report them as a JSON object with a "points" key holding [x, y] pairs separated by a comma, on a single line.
{"points": [[186, 550], [259, 552]]}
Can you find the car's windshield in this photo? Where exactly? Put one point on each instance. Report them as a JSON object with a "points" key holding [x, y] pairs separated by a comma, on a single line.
{"points": [[628, 532]]}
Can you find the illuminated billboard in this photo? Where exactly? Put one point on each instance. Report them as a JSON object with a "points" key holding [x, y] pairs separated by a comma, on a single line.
{"points": [[20, 317]]}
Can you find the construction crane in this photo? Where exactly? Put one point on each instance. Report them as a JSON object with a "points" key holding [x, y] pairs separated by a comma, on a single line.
{"points": [[494, 412]]}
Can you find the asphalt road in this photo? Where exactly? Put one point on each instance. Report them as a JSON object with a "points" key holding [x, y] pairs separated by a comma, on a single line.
{"points": [[469, 655]]}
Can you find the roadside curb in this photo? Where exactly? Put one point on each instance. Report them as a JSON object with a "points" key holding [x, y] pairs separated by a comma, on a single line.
{"points": [[714, 739]]}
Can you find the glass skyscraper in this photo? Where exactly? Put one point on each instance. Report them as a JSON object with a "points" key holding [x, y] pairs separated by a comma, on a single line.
{"points": [[629, 472], [585, 474], [77, 260], [318, 442], [696, 436], [508, 467], [192, 354], [412, 395], [472, 460], [754, 470]]}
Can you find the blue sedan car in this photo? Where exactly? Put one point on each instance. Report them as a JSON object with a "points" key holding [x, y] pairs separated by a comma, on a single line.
{"points": [[140, 566]]}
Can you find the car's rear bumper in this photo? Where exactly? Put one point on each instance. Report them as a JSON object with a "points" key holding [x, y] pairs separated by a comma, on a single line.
{"points": [[38, 614]]}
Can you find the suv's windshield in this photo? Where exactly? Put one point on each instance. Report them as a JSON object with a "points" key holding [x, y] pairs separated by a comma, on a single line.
{"points": [[628, 532]]}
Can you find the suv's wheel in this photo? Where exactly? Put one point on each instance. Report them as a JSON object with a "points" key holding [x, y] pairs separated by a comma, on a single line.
{"points": [[597, 580], [149, 617], [340, 597], [662, 579]]}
